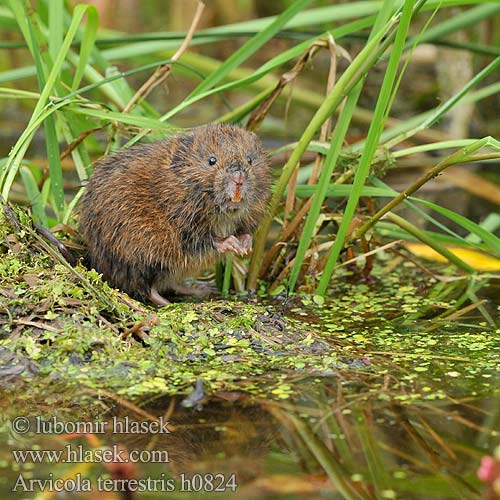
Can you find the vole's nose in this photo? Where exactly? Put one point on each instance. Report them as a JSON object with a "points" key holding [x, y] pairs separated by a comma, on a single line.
{"points": [[238, 178], [235, 186]]}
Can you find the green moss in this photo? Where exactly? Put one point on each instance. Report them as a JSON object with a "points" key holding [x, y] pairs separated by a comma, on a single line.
{"points": [[64, 329]]}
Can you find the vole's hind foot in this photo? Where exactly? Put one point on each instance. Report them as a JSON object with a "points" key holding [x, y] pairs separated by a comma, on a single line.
{"points": [[156, 298], [239, 245]]}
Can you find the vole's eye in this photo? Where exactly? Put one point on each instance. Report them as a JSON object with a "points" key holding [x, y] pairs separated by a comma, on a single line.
{"points": [[249, 160], [212, 160]]}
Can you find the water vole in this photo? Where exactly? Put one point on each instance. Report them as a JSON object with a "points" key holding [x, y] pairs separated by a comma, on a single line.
{"points": [[154, 214]]}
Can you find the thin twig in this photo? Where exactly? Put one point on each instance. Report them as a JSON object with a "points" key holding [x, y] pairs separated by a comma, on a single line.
{"points": [[325, 128], [311, 251], [286, 233], [71, 147], [162, 72], [135, 329], [460, 156], [35, 324]]}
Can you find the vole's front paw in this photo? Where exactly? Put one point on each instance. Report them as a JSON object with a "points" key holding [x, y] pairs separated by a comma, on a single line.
{"points": [[246, 241], [234, 244]]}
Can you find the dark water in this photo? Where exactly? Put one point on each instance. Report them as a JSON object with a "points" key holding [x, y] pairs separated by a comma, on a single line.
{"points": [[341, 437]]}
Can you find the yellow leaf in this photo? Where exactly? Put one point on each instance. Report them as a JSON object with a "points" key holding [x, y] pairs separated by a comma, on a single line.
{"points": [[475, 259]]}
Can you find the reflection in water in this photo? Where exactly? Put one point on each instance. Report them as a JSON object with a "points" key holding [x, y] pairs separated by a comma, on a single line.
{"points": [[331, 442]]}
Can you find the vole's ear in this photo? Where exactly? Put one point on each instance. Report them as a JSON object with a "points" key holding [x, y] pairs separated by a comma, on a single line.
{"points": [[184, 148]]}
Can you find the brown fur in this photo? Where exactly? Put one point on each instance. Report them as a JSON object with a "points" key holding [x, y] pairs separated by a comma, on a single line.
{"points": [[152, 213]]}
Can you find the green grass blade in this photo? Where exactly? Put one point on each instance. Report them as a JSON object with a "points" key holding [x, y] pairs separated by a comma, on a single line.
{"points": [[51, 142], [34, 196], [137, 121], [16, 154], [490, 224], [8, 93], [54, 73], [433, 146], [55, 167], [226, 283], [421, 212], [435, 115], [243, 79], [56, 26], [99, 81], [424, 238], [488, 238], [371, 144], [92, 75], [250, 47], [72, 204], [71, 126], [457, 22], [390, 230], [329, 163], [353, 74], [463, 155], [89, 36], [15, 157], [12, 75], [37, 54], [342, 190], [322, 188], [221, 71], [21, 18], [141, 50], [411, 125]]}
